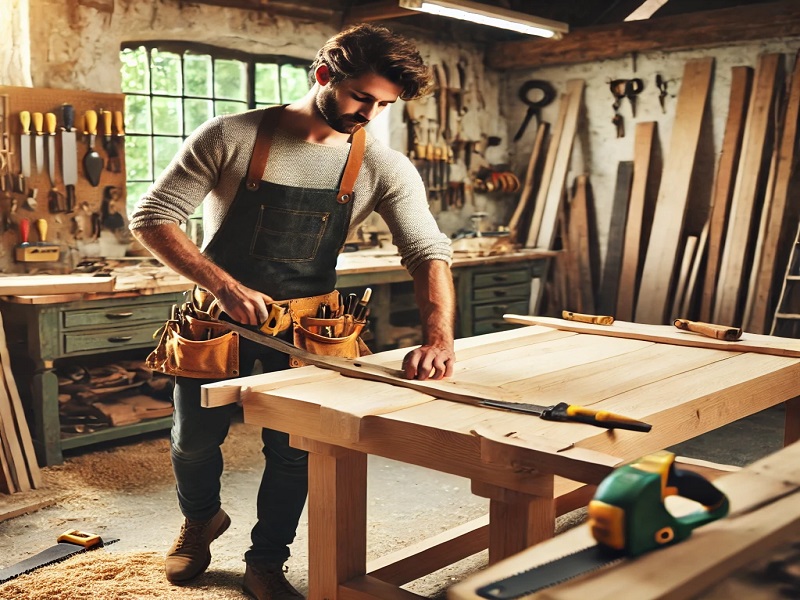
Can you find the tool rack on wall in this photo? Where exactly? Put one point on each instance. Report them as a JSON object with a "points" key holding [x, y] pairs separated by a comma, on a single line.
{"points": [[34, 199]]}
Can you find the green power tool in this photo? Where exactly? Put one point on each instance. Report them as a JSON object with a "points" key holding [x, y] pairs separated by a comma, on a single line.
{"points": [[627, 517]]}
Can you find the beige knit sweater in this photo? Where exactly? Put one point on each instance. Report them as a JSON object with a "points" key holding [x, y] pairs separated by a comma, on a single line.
{"points": [[214, 159]]}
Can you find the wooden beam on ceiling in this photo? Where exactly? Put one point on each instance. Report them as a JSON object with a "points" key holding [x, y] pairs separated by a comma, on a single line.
{"points": [[273, 7], [376, 11], [678, 32]]}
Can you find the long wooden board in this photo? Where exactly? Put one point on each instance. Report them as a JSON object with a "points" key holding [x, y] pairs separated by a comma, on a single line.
{"points": [[738, 240], [673, 195], [765, 263], [609, 283], [741, 82], [520, 221], [579, 233], [667, 334], [15, 285], [635, 233]]}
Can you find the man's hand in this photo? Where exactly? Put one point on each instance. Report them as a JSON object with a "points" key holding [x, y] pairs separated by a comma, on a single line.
{"points": [[429, 362], [243, 305]]}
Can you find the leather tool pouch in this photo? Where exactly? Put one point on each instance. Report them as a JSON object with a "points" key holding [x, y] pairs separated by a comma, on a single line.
{"points": [[196, 347], [337, 336]]}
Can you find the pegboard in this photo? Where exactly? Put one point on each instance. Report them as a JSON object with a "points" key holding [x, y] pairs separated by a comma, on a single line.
{"points": [[83, 231]]}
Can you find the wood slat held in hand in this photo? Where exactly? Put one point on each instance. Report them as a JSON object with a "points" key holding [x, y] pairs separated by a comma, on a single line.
{"points": [[673, 195], [738, 239], [667, 334]]}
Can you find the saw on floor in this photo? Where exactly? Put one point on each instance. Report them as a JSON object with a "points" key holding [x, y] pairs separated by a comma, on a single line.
{"points": [[627, 518]]}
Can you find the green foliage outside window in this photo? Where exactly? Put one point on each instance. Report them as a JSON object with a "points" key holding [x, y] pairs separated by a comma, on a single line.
{"points": [[171, 89]]}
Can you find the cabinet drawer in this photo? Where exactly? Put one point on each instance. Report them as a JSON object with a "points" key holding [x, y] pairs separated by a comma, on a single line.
{"points": [[112, 339], [520, 291], [115, 315], [483, 280], [496, 311]]}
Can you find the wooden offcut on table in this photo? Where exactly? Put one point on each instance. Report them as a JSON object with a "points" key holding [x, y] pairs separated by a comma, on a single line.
{"points": [[530, 469]]}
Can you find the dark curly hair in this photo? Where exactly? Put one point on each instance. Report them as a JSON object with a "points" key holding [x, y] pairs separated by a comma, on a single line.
{"points": [[366, 48]]}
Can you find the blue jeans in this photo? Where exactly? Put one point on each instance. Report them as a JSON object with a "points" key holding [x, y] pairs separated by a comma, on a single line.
{"points": [[196, 437]]}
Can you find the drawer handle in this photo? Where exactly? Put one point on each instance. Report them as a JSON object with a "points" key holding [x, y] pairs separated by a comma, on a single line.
{"points": [[120, 338], [119, 315], [500, 293], [500, 278], [500, 310]]}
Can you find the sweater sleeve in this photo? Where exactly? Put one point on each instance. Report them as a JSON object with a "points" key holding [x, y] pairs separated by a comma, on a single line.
{"points": [[185, 183], [404, 207]]}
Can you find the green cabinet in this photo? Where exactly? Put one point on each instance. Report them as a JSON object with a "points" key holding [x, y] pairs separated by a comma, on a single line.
{"points": [[41, 335]]}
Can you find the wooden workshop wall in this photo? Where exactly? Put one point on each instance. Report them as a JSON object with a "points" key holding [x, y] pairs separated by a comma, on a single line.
{"points": [[598, 151]]}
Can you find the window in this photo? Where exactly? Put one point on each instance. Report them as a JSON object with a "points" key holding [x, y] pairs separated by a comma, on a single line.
{"points": [[172, 88]]}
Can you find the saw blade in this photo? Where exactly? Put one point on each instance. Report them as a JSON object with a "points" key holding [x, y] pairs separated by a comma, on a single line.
{"points": [[549, 574]]}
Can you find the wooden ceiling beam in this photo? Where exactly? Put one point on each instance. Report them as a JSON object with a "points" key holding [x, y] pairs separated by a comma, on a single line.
{"points": [[679, 32], [376, 11]]}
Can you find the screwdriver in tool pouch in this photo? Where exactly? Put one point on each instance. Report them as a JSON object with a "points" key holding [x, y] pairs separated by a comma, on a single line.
{"points": [[360, 313]]}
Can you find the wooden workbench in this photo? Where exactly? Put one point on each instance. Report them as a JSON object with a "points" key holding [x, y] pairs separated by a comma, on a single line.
{"points": [[517, 461]]}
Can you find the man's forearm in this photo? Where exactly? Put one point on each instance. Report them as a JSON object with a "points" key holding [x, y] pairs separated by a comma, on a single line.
{"points": [[433, 289], [172, 247]]}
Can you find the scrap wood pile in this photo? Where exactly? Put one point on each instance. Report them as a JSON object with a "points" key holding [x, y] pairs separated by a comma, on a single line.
{"points": [[719, 255], [114, 394], [19, 471]]}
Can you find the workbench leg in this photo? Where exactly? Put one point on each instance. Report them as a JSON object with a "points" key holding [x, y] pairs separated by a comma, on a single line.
{"points": [[516, 520], [791, 428], [337, 517], [46, 426]]}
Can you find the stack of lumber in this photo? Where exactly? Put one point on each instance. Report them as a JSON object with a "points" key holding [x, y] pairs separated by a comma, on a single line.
{"points": [[19, 471], [717, 255]]}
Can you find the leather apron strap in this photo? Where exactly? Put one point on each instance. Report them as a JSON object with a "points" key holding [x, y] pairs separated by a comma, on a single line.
{"points": [[266, 130]]}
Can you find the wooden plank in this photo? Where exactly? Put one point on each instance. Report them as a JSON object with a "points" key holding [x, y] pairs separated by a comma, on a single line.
{"points": [[632, 255], [582, 278], [667, 334], [687, 31], [7, 484], [517, 227], [683, 276], [609, 283], [673, 195], [741, 83], [694, 273], [547, 173], [556, 189], [735, 254], [11, 441], [20, 422], [54, 284], [761, 302]]}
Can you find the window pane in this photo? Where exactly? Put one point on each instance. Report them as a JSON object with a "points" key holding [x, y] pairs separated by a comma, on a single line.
{"points": [[294, 83], [164, 150], [135, 191], [197, 74], [137, 158], [135, 74], [226, 107], [166, 67], [266, 84], [195, 113], [137, 114], [167, 115], [229, 79]]}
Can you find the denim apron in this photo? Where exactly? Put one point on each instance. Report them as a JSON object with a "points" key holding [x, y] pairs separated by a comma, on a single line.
{"points": [[282, 241]]}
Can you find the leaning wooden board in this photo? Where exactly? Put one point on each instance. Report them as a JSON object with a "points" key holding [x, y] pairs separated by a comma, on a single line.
{"points": [[667, 334]]}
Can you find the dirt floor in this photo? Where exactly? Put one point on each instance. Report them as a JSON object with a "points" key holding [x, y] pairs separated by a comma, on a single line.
{"points": [[126, 491]]}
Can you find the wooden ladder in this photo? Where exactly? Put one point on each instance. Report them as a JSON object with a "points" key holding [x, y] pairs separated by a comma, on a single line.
{"points": [[786, 320]]}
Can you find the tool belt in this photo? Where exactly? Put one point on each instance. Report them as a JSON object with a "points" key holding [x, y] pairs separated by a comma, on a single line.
{"points": [[194, 343]]}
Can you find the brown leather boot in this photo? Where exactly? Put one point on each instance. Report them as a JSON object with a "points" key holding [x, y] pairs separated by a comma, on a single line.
{"points": [[190, 554], [268, 582]]}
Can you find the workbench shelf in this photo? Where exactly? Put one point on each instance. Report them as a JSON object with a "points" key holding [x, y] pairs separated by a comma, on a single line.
{"points": [[43, 336]]}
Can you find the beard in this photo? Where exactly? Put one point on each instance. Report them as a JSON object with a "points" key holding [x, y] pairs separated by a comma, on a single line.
{"points": [[328, 108]]}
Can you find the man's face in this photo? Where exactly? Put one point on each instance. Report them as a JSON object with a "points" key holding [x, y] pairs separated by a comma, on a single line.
{"points": [[353, 103]]}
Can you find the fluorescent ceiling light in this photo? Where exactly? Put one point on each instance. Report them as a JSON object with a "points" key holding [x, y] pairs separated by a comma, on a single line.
{"points": [[489, 15]]}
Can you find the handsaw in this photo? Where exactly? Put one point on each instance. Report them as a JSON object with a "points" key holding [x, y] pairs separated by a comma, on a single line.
{"points": [[447, 389]]}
